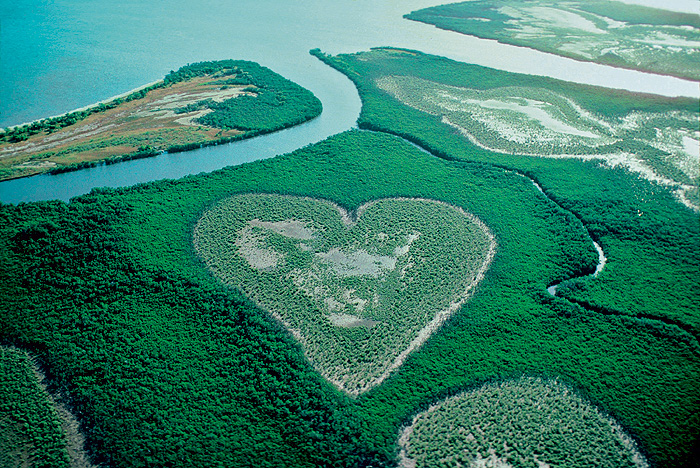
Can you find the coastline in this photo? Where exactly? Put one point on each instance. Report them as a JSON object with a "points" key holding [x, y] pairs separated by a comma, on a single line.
{"points": [[155, 130], [89, 106]]}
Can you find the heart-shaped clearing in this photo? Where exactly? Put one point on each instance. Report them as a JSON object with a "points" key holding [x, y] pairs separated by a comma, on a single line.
{"points": [[359, 293]]}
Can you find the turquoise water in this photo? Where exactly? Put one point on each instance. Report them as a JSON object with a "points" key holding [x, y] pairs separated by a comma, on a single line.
{"points": [[60, 55]]}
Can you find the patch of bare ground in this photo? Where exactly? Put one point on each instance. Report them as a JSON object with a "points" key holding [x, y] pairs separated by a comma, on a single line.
{"points": [[150, 122]]}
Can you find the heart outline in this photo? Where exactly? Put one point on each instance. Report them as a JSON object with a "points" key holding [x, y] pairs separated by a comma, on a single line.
{"points": [[349, 219]]}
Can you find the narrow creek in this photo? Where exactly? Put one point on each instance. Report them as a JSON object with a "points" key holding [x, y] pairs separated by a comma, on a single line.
{"points": [[602, 259], [684, 329]]}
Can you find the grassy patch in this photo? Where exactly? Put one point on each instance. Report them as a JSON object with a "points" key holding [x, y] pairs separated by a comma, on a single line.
{"points": [[527, 422]]}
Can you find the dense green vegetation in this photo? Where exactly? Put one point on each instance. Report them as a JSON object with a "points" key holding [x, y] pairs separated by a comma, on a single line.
{"points": [[30, 430], [527, 422], [356, 295], [611, 33], [640, 225], [275, 102], [168, 367]]}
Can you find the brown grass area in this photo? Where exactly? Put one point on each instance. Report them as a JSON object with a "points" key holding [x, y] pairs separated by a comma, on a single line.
{"points": [[147, 122]]}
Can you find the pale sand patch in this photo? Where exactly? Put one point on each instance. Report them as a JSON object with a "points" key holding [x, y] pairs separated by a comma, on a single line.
{"points": [[691, 146], [535, 110], [165, 107], [403, 250], [190, 117], [36, 164], [351, 321], [251, 247], [578, 47], [551, 17], [492, 461], [602, 260], [289, 228], [664, 39], [357, 263]]}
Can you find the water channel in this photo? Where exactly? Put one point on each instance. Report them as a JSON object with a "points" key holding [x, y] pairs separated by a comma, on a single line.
{"points": [[62, 55]]}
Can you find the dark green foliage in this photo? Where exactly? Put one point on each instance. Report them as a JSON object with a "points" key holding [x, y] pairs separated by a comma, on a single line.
{"points": [[142, 153], [30, 431], [275, 102], [169, 368], [204, 104], [639, 224], [223, 68]]}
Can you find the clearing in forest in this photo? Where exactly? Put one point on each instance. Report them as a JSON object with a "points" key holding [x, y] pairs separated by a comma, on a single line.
{"points": [[528, 422], [359, 291]]}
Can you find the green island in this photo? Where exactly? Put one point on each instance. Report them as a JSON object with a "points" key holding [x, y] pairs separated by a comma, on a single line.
{"points": [[602, 31], [201, 104]]}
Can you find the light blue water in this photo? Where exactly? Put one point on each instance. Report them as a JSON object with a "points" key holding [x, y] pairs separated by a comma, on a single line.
{"points": [[59, 55]]}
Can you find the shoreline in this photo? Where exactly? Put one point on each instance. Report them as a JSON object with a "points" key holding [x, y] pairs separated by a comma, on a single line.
{"points": [[89, 106]]}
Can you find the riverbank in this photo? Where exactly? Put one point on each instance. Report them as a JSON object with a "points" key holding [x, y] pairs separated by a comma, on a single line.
{"points": [[199, 105]]}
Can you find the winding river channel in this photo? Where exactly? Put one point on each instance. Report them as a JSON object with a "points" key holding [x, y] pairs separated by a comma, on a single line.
{"points": [[62, 55]]}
